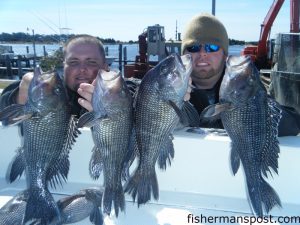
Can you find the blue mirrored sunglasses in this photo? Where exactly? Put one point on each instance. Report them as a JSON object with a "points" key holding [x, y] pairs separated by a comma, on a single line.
{"points": [[208, 48]]}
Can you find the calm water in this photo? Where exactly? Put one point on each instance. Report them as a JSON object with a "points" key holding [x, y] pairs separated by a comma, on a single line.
{"points": [[113, 50]]}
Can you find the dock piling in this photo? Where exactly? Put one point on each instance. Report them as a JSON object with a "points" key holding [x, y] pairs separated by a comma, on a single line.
{"points": [[120, 57], [8, 66], [125, 55], [19, 63]]}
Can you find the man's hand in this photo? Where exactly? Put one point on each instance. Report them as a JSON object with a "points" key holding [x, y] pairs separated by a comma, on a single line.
{"points": [[23, 88], [86, 91]]}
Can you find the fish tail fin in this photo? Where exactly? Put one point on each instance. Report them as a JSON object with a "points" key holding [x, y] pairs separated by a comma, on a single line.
{"points": [[141, 184], [95, 196], [262, 195], [255, 198], [115, 195], [96, 216], [269, 196], [41, 206]]}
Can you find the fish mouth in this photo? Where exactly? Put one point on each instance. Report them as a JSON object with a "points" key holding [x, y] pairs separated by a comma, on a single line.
{"points": [[186, 61], [47, 76], [109, 75], [44, 82], [110, 80], [237, 62], [40, 76]]}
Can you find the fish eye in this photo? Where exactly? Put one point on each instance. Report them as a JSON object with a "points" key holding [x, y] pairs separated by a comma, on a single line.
{"points": [[174, 76], [243, 87], [164, 69], [56, 91], [250, 81], [123, 93]]}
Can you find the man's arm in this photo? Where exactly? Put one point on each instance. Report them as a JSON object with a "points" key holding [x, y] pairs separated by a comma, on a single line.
{"points": [[289, 124], [17, 92], [8, 96]]}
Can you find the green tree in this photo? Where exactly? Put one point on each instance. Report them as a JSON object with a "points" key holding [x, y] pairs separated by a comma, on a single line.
{"points": [[54, 62]]}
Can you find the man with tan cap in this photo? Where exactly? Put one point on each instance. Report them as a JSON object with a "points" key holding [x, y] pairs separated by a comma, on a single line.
{"points": [[206, 39]]}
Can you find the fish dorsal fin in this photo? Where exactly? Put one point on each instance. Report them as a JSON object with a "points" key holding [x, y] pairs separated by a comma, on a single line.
{"points": [[88, 119], [271, 149], [58, 171], [63, 203], [212, 112], [13, 115]]}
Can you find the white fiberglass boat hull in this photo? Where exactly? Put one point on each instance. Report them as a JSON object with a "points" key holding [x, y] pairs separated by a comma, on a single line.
{"points": [[199, 181]]}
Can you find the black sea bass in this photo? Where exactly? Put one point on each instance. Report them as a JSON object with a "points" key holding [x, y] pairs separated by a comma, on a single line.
{"points": [[157, 111], [48, 133], [111, 121], [251, 120]]}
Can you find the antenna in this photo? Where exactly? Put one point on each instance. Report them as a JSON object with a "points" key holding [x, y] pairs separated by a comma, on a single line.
{"points": [[213, 10], [63, 31], [176, 32]]}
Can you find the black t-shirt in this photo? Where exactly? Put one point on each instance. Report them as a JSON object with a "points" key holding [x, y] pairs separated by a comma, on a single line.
{"points": [[203, 98]]}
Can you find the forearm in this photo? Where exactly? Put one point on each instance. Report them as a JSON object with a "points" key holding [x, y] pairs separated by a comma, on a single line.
{"points": [[9, 95], [289, 124]]}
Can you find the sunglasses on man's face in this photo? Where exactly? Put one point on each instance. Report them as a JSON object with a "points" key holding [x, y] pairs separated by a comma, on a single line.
{"points": [[208, 48]]}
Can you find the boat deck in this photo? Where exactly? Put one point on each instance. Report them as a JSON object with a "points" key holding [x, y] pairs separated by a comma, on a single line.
{"points": [[199, 181]]}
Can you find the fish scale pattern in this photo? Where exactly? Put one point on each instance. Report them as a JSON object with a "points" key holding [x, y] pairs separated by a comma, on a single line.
{"points": [[253, 131]]}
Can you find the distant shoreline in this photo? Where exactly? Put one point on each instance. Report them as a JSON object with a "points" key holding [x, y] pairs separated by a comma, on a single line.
{"points": [[57, 43], [23, 38], [28, 43], [49, 43]]}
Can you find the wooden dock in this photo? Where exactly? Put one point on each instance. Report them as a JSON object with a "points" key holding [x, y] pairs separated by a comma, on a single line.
{"points": [[14, 67]]}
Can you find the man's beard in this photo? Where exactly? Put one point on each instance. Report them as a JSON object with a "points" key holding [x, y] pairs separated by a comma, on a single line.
{"points": [[207, 79], [203, 75]]}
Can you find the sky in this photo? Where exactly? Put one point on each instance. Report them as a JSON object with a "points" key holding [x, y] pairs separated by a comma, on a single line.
{"points": [[124, 20]]}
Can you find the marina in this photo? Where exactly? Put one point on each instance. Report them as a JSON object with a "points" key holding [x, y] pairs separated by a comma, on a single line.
{"points": [[15, 65], [17, 59]]}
